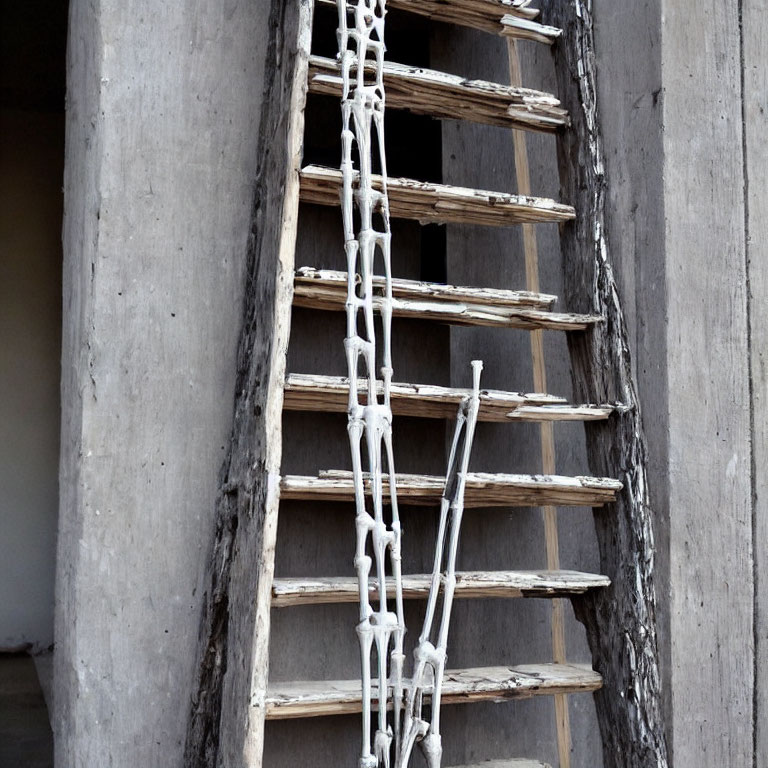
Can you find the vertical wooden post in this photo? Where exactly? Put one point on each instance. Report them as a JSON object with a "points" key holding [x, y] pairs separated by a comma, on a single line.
{"points": [[546, 431], [620, 620], [227, 718]]}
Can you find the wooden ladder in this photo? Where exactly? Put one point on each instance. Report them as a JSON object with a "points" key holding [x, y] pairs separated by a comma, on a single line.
{"points": [[445, 96]]}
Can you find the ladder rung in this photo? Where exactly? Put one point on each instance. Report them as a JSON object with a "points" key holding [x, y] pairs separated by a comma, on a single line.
{"points": [[327, 290], [515, 762], [499, 17], [481, 489], [330, 394], [440, 95], [561, 413], [337, 697], [440, 203], [470, 584]]}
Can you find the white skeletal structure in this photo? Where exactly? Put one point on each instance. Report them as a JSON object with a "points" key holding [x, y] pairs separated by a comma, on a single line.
{"points": [[370, 419], [430, 652], [362, 108]]}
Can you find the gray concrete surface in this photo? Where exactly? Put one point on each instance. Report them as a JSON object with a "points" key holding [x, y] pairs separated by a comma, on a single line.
{"points": [[162, 105]]}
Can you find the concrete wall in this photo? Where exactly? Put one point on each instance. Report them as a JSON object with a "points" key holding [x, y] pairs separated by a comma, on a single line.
{"points": [[162, 104], [160, 159], [682, 92], [30, 329]]}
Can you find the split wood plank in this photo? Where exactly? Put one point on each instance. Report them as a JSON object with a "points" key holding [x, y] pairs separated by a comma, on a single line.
{"points": [[311, 392], [482, 489], [515, 762], [317, 698], [512, 18], [469, 584], [440, 203], [543, 413], [450, 97], [327, 290]]}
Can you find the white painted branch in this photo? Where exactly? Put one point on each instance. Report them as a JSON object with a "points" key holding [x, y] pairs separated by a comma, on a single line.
{"points": [[439, 203], [440, 95]]}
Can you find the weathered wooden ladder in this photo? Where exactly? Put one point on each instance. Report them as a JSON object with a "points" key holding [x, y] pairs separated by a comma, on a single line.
{"points": [[255, 592]]}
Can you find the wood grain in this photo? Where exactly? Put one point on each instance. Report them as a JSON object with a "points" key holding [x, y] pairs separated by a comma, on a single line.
{"points": [[461, 686], [327, 290], [440, 95], [475, 584], [440, 203], [227, 714], [629, 707], [482, 489], [500, 17], [308, 392]]}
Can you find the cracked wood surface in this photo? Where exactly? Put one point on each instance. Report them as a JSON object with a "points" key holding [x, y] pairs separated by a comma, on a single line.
{"points": [[513, 18], [317, 698], [313, 392], [621, 619], [428, 202], [515, 762], [469, 584], [482, 489], [327, 290], [441, 95]]}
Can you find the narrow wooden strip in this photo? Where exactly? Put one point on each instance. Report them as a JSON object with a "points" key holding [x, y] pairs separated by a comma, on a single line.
{"points": [[515, 28], [541, 413], [477, 584], [482, 489], [546, 431], [327, 290], [461, 686], [485, 297], [515, 762], [440, 95], [494, 16], [440, 203], [310, 392]]}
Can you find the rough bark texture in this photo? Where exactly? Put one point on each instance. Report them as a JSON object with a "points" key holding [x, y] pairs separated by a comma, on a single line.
{"points": [[226, 721], [620, 620]]}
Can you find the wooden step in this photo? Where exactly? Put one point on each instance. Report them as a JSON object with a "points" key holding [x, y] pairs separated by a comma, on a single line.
{"points": [[439, 203], [469, 584], [515, 762], [338, 697], [440, 95], [481, 490], [512, 18], [327, 289], [311, 392]]}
